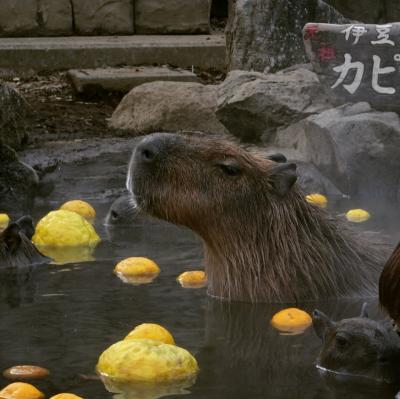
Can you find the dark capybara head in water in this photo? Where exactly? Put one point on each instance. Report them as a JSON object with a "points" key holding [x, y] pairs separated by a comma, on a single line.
{"points": [[16, 248], [358, 347], [19, 184], [123, 211], [263, 240]]}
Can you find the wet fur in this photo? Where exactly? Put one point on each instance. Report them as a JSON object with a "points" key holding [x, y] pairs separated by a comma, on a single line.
{"points": [[389, 286], [259, 245]]}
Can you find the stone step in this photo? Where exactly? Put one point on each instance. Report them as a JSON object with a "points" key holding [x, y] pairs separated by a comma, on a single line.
{"points": [[124, 79], [24, 56]]}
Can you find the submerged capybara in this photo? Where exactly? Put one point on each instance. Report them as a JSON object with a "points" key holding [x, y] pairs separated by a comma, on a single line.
{"points": [[16, 247], [359, 347], [19, 184], [263, 240], [389, 286]]}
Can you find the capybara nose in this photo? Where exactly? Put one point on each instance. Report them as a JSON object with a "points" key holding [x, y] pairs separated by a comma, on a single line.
{"points": [[151, 148]]}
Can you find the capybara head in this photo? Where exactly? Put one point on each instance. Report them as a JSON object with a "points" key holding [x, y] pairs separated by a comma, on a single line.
{"points": [[123, 211], [389, 286], [19, 184], [358, 347], [263, 241], [16, 248]]}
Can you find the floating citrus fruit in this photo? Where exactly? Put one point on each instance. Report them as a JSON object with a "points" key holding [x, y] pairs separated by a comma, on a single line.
{"points": [[137, 270], [65, 229], [4, 220], [66, 396], [20, 390], [291, 320], [193, 279], [25, 372], [357, 215], [151, 331], [146, 361], [83, 208], [318, 200]]}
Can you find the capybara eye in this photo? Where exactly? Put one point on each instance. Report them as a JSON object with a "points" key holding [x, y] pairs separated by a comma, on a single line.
{"points": [[341, 342], [230, 169], [114, 215]]}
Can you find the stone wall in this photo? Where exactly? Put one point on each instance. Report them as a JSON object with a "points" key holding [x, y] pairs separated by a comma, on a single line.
{"points": [[103, 17]]}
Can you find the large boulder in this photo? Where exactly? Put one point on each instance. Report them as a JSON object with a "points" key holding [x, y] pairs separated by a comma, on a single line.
{"points": [[252, 105], [93, 17], [268, 33], [357, 148], [168, 106], [13, 112], [35, 17], [172, 16]]}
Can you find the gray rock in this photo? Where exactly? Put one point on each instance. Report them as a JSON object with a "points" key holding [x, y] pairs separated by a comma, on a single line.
{"points": [[35, 17], [252, 105], [169, 107], [369, 11], [267, 33], [54, 17], [311, 180], [355, 147], [103, 16], [13, 112], [172, 16]]}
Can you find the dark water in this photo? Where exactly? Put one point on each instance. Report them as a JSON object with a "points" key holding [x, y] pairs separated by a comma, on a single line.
{"points": [[63, 317]]}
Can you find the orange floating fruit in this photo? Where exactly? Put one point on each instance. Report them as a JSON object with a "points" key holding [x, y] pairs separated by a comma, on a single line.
{"points": [[66, 396], [151, 331], [193, 279], [317, 199], [25, 372], [137, 270], [83, 208], [291, 320], [20, 390]]}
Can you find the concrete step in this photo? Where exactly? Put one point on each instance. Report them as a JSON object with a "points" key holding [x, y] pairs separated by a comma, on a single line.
{"points": [[24, 56], [124, 79]]}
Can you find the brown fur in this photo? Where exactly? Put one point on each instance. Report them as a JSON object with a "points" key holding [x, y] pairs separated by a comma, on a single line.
{"points": [[389, 286], [263, 240]]}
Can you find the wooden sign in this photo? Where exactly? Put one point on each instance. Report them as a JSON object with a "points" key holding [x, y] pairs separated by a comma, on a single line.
{"points": [[357, 62]]}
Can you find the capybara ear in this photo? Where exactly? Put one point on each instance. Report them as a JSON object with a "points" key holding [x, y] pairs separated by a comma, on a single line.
{"points": [[26, 225], [322, 324], [283, 177], [278, 157], [364, 310], [11, 236]]}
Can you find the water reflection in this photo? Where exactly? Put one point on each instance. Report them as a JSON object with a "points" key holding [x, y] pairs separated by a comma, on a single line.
{"points": [[148, 391], [64, 320]]}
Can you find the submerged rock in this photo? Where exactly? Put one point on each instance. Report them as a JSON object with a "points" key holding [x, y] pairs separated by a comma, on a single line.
{"points": [[252, 105], [170, 107], [354, 146]]}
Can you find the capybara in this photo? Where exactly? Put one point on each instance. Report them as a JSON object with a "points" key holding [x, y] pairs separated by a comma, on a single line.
{"points": [[263, 240], [16, 248], [389, 286], [19, 184], [123, 211], [359, 347]]}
